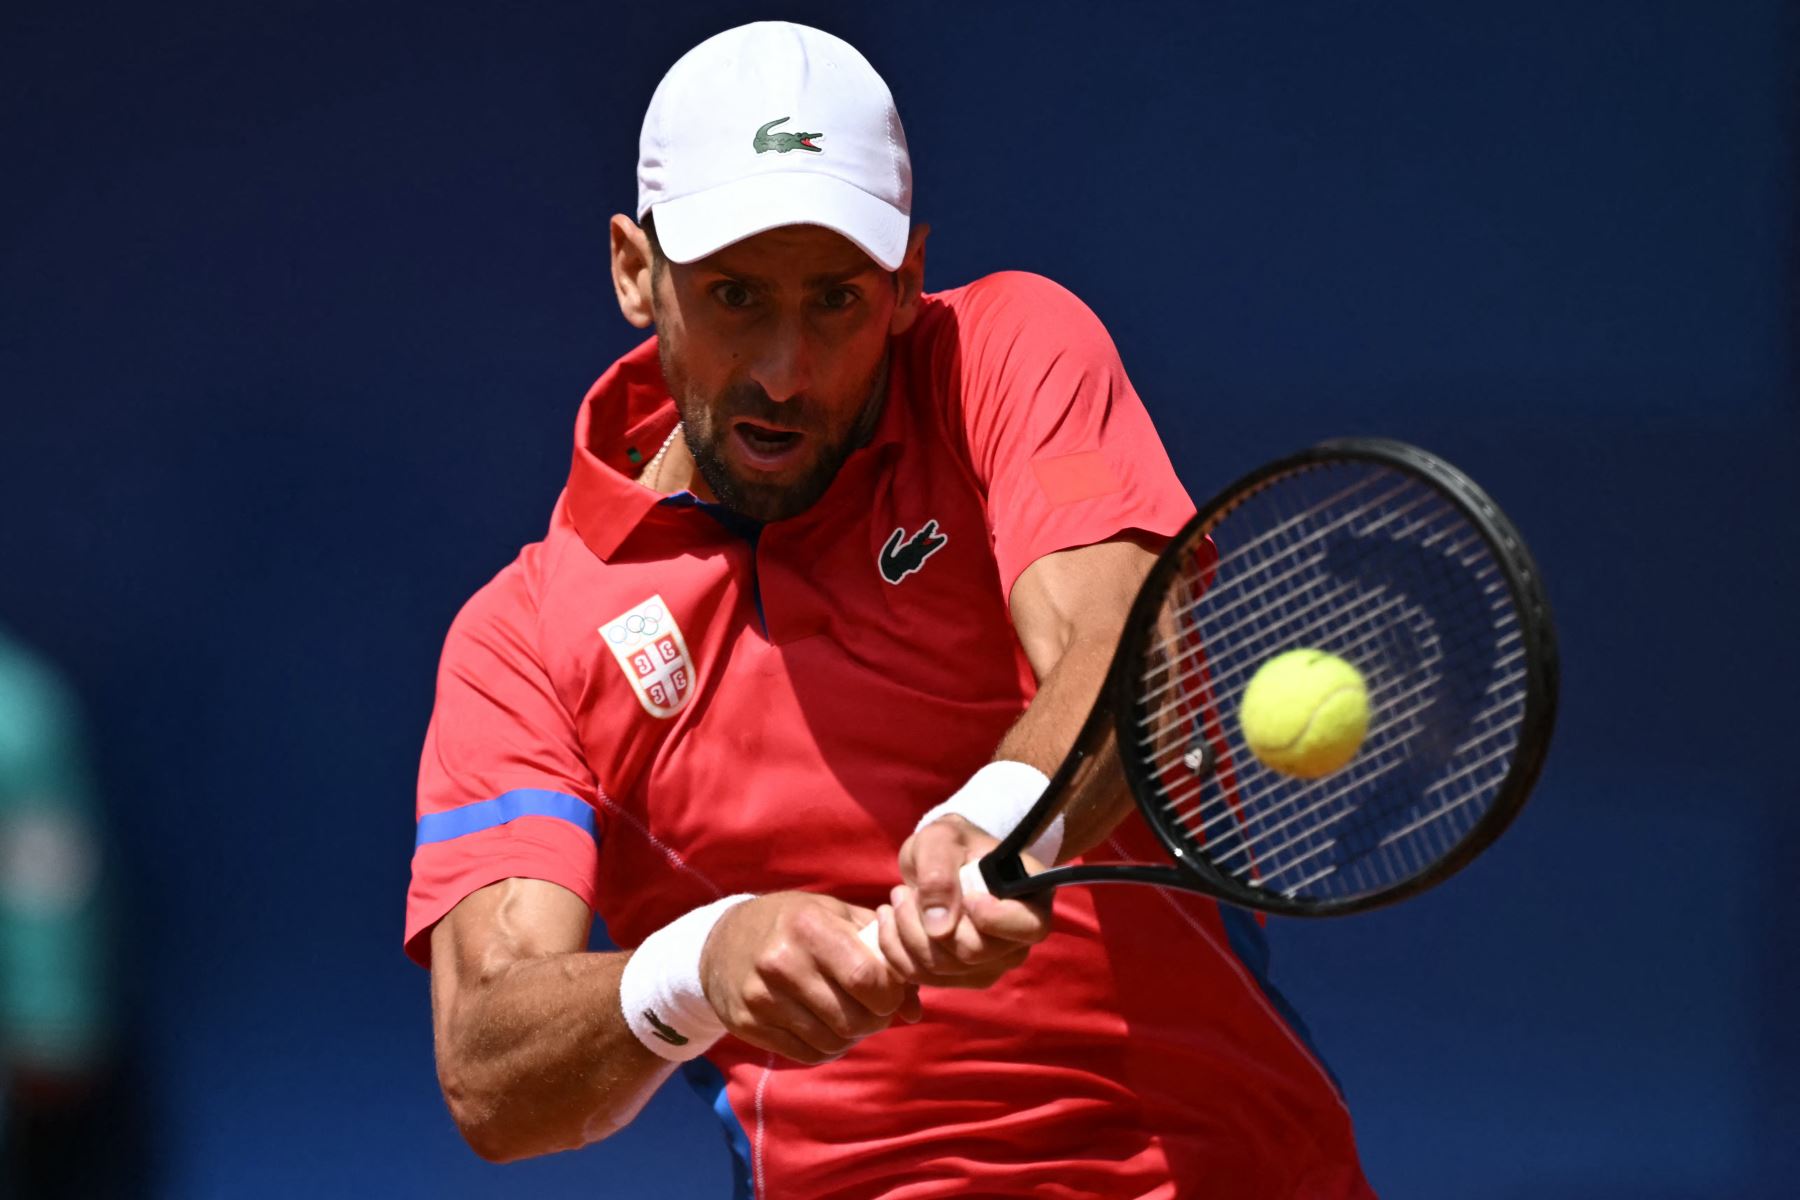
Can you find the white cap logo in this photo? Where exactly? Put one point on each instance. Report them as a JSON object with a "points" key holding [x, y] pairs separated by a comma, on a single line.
{"points": [[782, 142], [774, 124]]}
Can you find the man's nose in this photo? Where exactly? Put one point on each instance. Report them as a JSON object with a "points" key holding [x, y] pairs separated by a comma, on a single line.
{"points": [[783, 367]]}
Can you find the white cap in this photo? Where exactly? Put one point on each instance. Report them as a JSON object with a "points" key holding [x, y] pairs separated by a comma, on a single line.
{"points": [[774, 124]]}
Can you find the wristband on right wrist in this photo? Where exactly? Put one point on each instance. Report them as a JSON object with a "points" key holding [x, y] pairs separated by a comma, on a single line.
{"points": [[660, 992]]}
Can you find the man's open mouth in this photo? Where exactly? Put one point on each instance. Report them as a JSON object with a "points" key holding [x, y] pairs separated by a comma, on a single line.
{"points": [[766, 446]]}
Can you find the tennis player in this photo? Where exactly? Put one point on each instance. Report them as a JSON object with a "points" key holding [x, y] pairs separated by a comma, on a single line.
{"points": [[837, 572]]}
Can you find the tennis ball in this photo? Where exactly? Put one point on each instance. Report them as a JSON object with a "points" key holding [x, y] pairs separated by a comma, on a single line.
{"points": [[1305, 713]]}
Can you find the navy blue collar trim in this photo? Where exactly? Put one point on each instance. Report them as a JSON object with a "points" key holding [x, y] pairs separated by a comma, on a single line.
{"points": [[734, 522]]}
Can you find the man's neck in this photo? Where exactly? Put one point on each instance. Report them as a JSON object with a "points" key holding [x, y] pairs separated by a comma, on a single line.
{"points": [[672, 469]]}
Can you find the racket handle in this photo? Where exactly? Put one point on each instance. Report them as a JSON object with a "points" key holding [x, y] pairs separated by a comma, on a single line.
{"points": [[870, 936], [970, 878]]}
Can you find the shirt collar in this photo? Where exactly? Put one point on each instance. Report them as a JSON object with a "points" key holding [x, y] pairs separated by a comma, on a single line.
{"points": [[625, 418]]}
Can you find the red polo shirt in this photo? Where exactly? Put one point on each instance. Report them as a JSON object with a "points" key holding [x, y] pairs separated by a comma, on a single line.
{"points": [[660, 704]]}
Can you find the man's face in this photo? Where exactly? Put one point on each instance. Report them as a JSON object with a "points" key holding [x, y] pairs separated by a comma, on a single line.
{"points": [[775, 349]]}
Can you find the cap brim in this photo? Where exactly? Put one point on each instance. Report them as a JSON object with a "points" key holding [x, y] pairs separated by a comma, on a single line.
{"points": [[694, 226]]}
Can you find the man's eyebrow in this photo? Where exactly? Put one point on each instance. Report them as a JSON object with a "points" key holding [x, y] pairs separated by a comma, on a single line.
{"points": [[744, 277], [822, 280], [832, 278]]}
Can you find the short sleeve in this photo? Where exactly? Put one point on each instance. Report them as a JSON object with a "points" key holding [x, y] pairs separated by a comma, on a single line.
{"points": [[504, 790], [1057, 436]]}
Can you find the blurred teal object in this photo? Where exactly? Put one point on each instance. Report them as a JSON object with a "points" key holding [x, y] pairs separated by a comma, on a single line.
{"points": [[54, 1011]]}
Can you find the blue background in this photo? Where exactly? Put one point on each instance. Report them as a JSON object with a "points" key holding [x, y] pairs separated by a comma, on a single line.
{"points": [[300, 298]]}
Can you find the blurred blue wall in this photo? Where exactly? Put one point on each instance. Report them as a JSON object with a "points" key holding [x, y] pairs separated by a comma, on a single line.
{"points": [[300, 298]]}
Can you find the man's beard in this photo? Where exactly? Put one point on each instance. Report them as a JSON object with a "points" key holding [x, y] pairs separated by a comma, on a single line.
{"points": [[705, 426]]}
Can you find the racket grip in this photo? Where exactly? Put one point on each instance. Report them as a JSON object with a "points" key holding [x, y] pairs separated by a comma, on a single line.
{"points": [[970, 879]]}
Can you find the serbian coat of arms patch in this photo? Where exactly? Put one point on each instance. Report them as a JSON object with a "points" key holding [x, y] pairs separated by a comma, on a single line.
{"points": [[653, 655]]}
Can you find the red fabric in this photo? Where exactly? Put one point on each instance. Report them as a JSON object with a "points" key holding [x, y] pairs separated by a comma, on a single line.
{"points": [[1133, 1049], [1057, 437], [498, 725], [1071, 477]]}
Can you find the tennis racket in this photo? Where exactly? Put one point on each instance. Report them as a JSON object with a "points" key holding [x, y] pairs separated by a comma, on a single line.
{"points": [[1376, 552]]}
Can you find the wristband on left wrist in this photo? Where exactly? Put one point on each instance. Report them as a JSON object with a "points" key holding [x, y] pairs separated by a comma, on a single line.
{"points": [[996, 798]]}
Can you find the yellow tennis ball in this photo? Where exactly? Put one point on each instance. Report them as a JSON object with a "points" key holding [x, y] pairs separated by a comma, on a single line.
{"points": [[1305, 713]]}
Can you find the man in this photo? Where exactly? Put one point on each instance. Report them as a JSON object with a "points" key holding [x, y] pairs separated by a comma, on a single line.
{"points": [[831, 551]]}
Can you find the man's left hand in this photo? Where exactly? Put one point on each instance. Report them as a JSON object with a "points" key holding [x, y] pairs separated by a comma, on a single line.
{"points": [[934, 935]]}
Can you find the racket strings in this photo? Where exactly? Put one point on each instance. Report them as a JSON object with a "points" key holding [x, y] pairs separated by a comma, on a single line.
{"points": [[1327, 614], [1281, 590], [1294, 827], [1236, 565], [1383, 697], [1379, 570], [1280, 586], [1284, 835], [1369, 626], [1277, 801], [1299, 832], [1427, 821], [1296, 520], [1287, 837]]}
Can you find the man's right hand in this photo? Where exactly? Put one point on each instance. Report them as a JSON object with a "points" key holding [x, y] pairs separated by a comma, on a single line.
{"points": [[787, 972]]}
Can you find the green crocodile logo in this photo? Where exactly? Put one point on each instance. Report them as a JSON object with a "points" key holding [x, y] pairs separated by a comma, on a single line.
{"points": [[781, 143]]}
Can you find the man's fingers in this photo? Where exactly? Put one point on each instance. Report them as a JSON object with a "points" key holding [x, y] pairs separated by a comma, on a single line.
{"points": [[938, 852], [1024, 921], [801, 983], [870, 983], [894, 951], [850, 989], [893, 947], [987, 973], [821, 1028], [929, 957], [938, 967], [780, 1041], [816, 1012], [770, 1006], [935, 960]]}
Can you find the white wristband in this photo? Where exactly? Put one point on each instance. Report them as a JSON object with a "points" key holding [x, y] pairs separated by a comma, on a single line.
{"points": [[660, 991], [996, 799]]}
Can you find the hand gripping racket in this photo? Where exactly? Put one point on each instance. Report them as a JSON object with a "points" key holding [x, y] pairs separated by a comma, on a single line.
{"points": [[1376, 552]]}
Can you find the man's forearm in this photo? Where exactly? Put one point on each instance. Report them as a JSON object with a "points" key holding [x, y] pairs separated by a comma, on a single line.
{"points": [[1047, 730], [535, 1056], [929, 937]]}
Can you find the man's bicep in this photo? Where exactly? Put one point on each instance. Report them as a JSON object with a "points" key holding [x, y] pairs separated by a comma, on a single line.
{"points": [[1083, 592]]}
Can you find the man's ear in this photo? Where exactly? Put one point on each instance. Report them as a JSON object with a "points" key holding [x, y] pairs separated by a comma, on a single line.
{"points": [[631, 272], [910, 281]]}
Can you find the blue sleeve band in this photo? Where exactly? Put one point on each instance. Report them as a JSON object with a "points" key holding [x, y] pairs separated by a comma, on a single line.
{"points": [[508, 806]]}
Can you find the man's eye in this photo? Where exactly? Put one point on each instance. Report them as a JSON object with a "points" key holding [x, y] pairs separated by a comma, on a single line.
{"points": [[838, 297], [732, 294]]}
